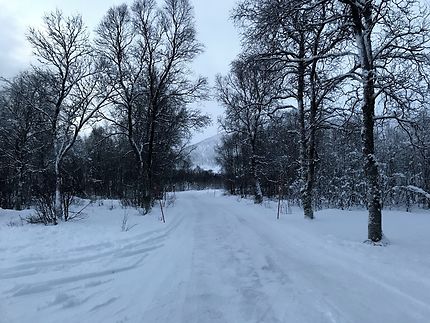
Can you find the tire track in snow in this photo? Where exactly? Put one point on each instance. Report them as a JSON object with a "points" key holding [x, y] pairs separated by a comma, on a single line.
{"points": [[306, 267], [233, 292], [123, 251]]}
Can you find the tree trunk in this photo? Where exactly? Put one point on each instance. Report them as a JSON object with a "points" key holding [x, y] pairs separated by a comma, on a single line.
{"points": [[307, 195], [370, 164], [141, 183], [310, 146], [363, 23], [306, 190], [58, 208], [148, 174], [258, 194], [19, 190]]}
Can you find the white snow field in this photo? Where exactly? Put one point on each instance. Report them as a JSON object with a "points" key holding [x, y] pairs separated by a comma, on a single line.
{"points": [[217, 259]]}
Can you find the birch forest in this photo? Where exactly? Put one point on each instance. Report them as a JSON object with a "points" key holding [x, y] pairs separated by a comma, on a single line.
{"points": [[327, 106]]}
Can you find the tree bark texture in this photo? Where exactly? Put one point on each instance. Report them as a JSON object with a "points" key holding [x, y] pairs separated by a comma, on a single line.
{"points": [[362, 18]]}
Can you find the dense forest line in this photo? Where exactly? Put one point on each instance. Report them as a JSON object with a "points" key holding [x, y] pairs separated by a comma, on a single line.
{"points": [[98, 166], [339, 180]]}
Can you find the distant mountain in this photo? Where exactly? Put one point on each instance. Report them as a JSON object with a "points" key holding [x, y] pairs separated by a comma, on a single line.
{"points": [[203, 153]]}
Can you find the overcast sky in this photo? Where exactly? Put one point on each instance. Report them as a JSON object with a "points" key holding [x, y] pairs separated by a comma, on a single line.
{"points": [[215, 30]]}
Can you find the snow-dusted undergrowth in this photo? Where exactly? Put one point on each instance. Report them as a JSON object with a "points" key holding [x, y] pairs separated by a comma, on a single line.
{"points": [[217, 259]]}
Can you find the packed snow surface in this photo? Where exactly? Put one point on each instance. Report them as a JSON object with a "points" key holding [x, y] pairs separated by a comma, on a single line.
{"points": [[217, 259]]}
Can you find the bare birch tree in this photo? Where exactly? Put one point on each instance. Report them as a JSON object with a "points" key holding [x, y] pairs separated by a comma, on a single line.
{"points": [[392, 41], [302, 40], [64, 52], [250, 94], [149, 50]]}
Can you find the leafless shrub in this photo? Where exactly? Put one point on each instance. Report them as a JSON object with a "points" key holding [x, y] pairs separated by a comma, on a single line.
{"points": [[78, 215], [170, 200], [16, 222], [125, 227], [44, 211]]}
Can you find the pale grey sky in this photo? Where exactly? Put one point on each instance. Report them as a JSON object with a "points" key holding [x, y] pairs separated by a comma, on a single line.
{"points": [[215, 30]]}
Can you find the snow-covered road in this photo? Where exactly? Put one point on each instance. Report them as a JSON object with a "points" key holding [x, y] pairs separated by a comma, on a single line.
{"points": [[216, 260]]}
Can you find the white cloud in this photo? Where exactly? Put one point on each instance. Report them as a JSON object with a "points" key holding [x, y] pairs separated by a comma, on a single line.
{"points": [[14, 53]]}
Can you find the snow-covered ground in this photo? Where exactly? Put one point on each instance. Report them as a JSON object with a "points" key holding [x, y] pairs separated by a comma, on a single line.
{"points": [[217, 259]]}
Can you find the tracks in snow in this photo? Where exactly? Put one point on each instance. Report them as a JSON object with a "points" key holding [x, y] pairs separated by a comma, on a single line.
{"points": [[216, 260]]}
